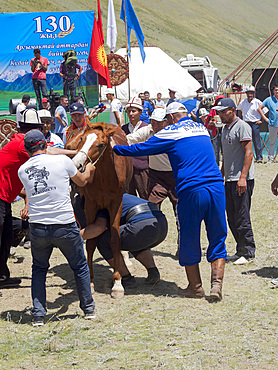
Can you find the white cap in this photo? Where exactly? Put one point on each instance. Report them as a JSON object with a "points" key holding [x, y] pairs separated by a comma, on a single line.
{"points": [[251, 89], [173, 90], [203, 112], [158, 114], [134, 102], [44, 113], [176, 107], [110, 91]]}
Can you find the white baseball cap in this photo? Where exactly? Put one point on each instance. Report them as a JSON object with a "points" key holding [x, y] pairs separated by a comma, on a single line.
{"points": [[110, 91], [176, 107], [158, 114], [203, 112]]}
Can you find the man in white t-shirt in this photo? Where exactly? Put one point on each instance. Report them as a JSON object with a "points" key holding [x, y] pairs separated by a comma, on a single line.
{"points": [[116, 108], [21, 108], [52, 223], [248, 111]]}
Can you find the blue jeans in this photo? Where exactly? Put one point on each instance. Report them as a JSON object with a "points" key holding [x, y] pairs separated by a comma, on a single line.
{"points": [[67, 238], [40, 86]]}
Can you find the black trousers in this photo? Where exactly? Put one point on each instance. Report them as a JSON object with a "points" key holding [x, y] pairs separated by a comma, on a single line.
{"points": [[238, 213], [6, 236], [135, 237]]}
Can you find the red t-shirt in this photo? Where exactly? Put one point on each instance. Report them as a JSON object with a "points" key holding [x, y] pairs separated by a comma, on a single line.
{"points": [[12, 156], [40, 74]]}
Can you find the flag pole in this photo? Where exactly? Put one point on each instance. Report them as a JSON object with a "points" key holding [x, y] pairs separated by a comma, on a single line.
{"points": [[127, 58]]}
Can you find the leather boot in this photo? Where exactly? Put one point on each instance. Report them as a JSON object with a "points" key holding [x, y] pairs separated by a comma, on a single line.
{"points": [[194, 289], [217, 273]]}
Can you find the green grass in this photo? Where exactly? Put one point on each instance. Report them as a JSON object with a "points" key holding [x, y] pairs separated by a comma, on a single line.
{"points": [[151, 327]]}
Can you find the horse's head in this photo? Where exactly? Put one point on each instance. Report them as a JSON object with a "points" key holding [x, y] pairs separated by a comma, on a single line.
{"points": [[91, 142]]}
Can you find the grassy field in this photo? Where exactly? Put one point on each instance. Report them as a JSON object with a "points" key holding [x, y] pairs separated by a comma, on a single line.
{"points": [[153, 328]]}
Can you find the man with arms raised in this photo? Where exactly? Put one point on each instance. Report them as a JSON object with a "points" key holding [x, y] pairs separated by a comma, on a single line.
{"points": [[52, 223], [238, 172], [200, 190]]}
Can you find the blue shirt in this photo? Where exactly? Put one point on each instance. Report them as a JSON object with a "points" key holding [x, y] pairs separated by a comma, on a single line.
{"points": [[58, 127], [272, 105], [172, 101], [145, 113], [190, 152]]}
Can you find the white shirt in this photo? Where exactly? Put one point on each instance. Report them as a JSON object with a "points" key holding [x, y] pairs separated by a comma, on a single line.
{"points": [[21, 107], [159, 103], [116, 106], [46, 181], [159, 162], [250, 110], [54, 140]]}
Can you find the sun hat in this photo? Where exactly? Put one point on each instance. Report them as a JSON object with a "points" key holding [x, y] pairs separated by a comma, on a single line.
{"points": [[33, 138], [135, 103], [76, 108], [176, 107], [224, 104], [158, 114], [44, 113]]}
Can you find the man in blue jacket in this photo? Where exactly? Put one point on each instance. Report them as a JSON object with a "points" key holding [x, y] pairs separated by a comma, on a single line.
{"points": [[201, 195]]}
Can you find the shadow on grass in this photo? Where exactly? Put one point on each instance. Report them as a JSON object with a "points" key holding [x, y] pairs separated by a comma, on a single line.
{"points": [[163, 254], [265, 272]]}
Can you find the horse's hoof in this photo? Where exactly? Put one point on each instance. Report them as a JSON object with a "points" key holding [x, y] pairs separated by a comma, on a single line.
{"points": [[92, 287], [117, 294]]}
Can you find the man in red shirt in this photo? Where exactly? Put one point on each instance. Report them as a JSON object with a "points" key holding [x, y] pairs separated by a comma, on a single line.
{"points": [[13, 155], [39, 67]]}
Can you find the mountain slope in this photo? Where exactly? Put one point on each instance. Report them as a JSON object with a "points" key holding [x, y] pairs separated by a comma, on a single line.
{"points": [[227, 31]]}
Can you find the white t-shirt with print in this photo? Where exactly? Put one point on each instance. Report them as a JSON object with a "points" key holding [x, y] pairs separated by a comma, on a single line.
{"points": [[46, 181], [116, 106]]}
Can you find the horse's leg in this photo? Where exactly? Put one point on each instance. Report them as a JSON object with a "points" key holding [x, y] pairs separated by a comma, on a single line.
{"points": [[90, 247], [115, 243]]}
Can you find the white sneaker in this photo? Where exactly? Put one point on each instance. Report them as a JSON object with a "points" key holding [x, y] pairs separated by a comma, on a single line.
{"points": [[270, 160], [242, 261], [232, 258]]}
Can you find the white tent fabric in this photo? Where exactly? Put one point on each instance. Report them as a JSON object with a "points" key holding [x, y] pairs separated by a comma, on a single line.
{"points": [[157, 74]]}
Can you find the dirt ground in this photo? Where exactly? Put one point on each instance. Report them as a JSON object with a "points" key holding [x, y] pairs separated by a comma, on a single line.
{"points": [[151, 327]]}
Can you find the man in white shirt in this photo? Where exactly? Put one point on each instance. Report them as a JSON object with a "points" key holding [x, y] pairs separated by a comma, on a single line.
{"points": [[52, 223], [248, 111], [21, 107], [116, 108], [52, 140]]}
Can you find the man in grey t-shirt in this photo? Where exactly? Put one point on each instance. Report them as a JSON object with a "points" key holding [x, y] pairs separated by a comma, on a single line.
{"points": [[238, 171]]}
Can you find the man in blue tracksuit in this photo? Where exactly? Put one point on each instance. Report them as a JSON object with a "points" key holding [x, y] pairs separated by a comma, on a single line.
{"points": [[201, 195]]}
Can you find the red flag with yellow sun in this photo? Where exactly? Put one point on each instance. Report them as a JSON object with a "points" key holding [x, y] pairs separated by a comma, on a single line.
{"points": [[97, 57]]}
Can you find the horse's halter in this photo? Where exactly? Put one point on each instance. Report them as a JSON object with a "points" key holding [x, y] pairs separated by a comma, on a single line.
{"points": [[95, 162]]}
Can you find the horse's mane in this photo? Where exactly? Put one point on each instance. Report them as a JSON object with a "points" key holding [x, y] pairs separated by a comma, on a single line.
{"points": [[109, 130]]}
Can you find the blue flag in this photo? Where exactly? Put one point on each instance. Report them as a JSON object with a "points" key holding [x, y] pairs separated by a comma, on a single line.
{"points": [[132, 24]]}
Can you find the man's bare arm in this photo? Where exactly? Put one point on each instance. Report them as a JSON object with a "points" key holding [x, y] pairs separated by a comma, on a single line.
{"points": [[242, 184]]}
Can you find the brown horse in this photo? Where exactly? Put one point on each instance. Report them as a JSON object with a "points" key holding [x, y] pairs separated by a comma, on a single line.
{"points": [[111, 177]]}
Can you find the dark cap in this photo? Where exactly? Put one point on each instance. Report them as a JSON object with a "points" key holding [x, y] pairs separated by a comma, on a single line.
{"points": [[224, 104], [77, 108], [32, 139], [26, 98]]}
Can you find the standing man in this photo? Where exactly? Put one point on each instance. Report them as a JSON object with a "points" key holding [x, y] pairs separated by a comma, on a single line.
{"points": [[116, 108], [238, 172], [78, 117], [61, 119], [172, 94], [70, 72], [248, 111], [52, 223], [45, 104], [147, 109], [21, 108], [201, 196], [271, 103], [158, 102], [13, 155], [39, 67], [147, 99], [140, 177]]}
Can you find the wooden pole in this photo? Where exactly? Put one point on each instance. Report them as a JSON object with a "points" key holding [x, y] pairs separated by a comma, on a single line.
{"points": [[127, 51]]}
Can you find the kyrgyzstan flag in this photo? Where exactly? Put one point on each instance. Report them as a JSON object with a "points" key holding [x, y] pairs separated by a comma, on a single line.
{"points": [[97, 57]]}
